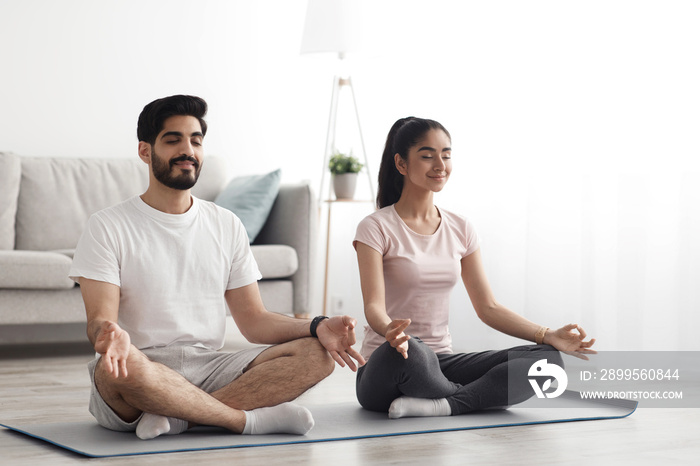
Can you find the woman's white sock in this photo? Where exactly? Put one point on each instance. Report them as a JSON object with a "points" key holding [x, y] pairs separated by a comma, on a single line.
{"points": [[407, 406]]}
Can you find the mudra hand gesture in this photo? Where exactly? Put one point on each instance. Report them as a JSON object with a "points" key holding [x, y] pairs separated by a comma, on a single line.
{"points": [[337, 335], [113, 343], [395, 336], [571, 342]]}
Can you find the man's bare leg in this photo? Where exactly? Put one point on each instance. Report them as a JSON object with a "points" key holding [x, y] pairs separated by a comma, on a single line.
{"points": [[153, 388], [280, 373]]}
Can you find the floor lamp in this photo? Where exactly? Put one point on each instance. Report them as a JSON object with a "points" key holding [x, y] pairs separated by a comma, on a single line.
{"points": [[331, 26], [338, 84]]}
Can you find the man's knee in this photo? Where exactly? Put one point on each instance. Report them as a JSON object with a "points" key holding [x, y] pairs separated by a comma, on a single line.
{"points": [[317, 355], [308, 352], [115, 391], [136, 373]]}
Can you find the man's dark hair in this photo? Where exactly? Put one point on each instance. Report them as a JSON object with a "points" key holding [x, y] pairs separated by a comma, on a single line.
{"points": [[153, 115]]}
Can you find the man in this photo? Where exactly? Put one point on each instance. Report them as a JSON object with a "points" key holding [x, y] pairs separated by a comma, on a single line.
{"points": [[156, 273]]}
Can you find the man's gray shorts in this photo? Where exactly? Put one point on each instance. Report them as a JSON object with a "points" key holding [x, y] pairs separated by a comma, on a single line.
{"points": [[206, 369]]}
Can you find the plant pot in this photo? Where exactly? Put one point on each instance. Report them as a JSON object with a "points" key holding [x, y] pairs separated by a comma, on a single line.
{"points": [[344, 185]]}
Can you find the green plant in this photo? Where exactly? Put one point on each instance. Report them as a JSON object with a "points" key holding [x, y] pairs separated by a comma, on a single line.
{"points": [[341, 163]]}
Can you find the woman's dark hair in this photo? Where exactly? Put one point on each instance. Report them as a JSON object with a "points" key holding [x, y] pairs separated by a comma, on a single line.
{"points": [[405, 134], [153, 115]]}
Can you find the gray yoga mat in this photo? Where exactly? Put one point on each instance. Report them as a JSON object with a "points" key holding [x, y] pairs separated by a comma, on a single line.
{"points": [[333, 422]]}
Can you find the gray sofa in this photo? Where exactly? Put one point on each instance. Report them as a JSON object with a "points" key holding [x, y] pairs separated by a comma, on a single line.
{"points": [[45, 203]]}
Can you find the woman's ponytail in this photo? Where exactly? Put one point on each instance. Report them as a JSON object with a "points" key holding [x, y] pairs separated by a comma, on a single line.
{"points": [[390, 180]]}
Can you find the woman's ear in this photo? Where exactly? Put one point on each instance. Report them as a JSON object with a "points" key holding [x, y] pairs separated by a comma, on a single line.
{"points": [[145, 151], [400, 164]]}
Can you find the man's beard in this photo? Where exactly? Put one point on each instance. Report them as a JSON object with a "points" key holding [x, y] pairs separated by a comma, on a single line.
{"points": [[163, 172]]}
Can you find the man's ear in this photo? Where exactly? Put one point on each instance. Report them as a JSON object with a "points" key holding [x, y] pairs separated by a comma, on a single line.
{"points": [[145, 152], [400, 164]]}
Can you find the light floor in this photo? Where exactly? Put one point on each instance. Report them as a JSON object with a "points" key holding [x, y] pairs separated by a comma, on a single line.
{"points": [[53, 386]]}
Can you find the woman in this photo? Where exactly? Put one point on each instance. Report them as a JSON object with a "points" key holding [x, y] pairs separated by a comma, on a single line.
{"points": [[410, 255]]}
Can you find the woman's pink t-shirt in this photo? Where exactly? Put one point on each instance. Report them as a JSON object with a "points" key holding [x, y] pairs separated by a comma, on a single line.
{"points": [[419, 272]]}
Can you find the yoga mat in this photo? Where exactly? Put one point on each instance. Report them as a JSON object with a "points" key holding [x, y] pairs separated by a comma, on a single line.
{"points": [[333, 422]]}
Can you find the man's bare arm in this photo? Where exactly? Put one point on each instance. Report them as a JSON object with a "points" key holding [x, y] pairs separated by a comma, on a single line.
{"points": [[257, 324], [102, 309]]}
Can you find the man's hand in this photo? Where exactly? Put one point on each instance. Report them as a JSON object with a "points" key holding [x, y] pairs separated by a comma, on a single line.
{"points": [[337, 335], [395, 336], [113, 344]]}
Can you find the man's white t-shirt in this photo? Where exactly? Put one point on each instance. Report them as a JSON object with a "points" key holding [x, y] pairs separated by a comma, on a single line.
{"points": [[420, 272], [172, 270]]}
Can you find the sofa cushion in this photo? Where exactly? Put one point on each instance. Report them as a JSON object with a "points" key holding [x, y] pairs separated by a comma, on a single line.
{"points": [[275, 260], [57, 196], [251, 199], [66, 252], [34, 270], [21, 307], [212, 178], [277, 295], [9, 190], [293, 221]]}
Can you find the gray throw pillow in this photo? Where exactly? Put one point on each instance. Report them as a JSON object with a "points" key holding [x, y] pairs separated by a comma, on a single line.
{"points": [[251, 199]]}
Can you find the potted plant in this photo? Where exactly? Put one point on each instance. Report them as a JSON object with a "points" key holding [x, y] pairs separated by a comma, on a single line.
{"points": [[344, 169]]}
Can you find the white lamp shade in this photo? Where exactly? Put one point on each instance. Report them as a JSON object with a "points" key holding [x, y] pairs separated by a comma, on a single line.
{"points": [[331, 26]]}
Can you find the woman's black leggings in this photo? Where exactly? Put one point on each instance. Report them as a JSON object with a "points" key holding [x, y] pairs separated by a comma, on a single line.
{"points": [[469, 381]]}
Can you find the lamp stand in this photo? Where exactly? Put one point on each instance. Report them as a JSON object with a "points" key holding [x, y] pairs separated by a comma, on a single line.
{"points": [[338, 83]]}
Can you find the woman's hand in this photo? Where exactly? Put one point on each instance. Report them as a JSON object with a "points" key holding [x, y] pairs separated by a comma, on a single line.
{"points": [[569, 342], [395, 336]]}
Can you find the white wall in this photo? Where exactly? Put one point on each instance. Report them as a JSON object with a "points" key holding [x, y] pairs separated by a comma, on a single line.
{"points": [[77, 73], [574, 124]]}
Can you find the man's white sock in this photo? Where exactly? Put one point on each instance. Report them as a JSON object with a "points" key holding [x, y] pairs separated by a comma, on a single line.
{"points": [[285, 418], [407, 406], [152, 425]]}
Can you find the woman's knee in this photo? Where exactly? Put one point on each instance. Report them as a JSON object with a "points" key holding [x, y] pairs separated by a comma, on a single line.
{"points": [[384, 350], [373, 391], [421, 354], [548, 352]]}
